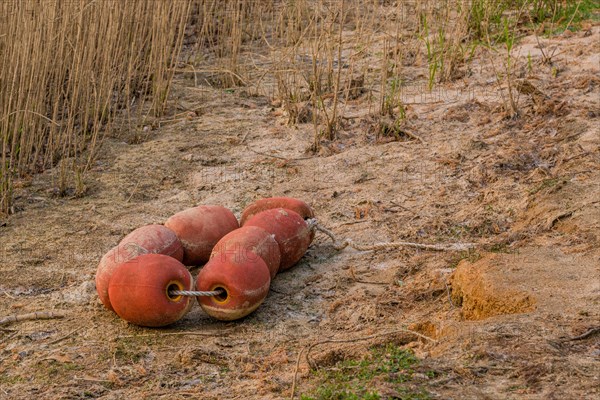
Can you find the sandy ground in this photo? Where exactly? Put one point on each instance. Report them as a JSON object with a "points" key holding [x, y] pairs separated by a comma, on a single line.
{"points": [[526, 190]]}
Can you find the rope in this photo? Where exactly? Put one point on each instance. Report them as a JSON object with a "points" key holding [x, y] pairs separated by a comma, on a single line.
{"points": [[313, 224], [194, 293]]}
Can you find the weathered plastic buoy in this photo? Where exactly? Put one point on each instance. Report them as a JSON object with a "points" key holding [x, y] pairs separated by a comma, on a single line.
{"points": [[108, 263], [147, 239], [139, 290], [199, 229], [244, 283], [289, 203], [156, 239], [291, 232], [248, 242]]}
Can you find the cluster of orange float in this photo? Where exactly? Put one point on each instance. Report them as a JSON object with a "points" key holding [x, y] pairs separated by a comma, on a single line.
{"points": [[137, 278]]}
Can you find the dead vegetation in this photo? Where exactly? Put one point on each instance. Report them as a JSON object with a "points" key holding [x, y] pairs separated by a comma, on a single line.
{"points": [[69, 70], [323, 55], [314, 57]]}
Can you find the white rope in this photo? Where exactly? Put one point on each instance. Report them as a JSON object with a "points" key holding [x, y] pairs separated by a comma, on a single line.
{"points": [[194, 293], [313, 224]]}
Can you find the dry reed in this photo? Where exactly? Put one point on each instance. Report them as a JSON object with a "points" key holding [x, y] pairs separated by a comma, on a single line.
{"points": [[66, 69], [69, 66]]}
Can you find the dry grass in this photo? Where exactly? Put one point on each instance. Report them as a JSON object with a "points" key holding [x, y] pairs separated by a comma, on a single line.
{"points": [[67, 68], [316, 56]]}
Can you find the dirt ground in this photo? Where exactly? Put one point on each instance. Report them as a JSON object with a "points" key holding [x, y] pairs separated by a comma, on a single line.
{"points": [[525, 190]]}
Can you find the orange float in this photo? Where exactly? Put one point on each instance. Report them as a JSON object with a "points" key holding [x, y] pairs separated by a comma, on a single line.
{"points": [[289, 203], [156, 239], [244, 283], [199, 229], [291, 232], [248, 242], [139, 290], [113, 258], [147, 239]]}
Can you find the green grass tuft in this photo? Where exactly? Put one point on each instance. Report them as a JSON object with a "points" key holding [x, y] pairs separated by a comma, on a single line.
{"points": [[359, 379]]}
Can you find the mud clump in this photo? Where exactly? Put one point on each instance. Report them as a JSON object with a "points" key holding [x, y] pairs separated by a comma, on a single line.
{"points": [[482, 291]]}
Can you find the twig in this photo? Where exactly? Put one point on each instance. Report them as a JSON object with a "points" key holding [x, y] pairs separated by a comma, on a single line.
{"points": [[31, 317], [60, 339], [370, 282], [360, 221], [245, 136], [296, 373], [333, 123], [133, 192], [309, 348], [401, 206], [573, 16], [220, 333], [585, 335]]}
